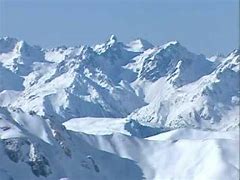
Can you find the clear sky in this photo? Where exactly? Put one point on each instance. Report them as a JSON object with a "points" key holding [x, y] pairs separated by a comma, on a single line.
{"points": [[203, 26]]}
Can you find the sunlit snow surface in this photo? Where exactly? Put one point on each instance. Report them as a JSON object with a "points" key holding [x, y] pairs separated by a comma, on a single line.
{"points": [[117, 111], [176, 154]]}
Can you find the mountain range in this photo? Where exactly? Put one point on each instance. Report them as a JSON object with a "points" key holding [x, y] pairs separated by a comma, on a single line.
{"points": [[72, 112]]}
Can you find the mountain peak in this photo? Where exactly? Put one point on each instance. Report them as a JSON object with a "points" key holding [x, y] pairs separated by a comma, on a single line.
{"points": [[170, 44], [7, 44], [21, 46], [236, 51], [7, 38], [112, 40], [140, 44], [113, 37]]}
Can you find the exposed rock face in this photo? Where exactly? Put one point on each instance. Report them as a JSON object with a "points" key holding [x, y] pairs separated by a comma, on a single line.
{"points": [[22, 150], [39, 164], [13, 148]]}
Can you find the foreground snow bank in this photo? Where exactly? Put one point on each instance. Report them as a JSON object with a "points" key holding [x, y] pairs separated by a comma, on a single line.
{"points": [[178, 154]]}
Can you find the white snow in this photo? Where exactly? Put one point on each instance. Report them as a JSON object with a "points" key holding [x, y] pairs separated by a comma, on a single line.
{"points": [[98, 126], [132, 111], [208, 156], [139, 45]]}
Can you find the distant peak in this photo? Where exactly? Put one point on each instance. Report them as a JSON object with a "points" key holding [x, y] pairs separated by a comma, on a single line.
{"points": [[7, 44], [21, 46], [113, 37], [142, 41], [112, 40], [140, 44], [171, 44], [61, 47], [22, 43], [236, 51], [8, 39]]}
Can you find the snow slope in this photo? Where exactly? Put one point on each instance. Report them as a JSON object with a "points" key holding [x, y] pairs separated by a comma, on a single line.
{"points": [[176, 154], [35, 148], [208, 156]]}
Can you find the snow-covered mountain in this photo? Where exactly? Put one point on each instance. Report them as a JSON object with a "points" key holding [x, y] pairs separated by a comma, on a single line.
{"points": [[210, 102], [133, 88], [167, 84]]}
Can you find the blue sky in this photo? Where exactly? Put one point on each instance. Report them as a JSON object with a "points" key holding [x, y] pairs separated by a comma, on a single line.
{"points": [[203, 26]]}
